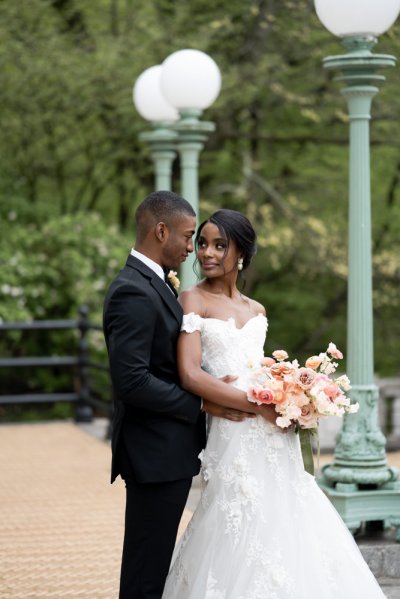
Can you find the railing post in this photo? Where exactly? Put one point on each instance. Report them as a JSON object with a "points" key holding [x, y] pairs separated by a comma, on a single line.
{"points": [[84, 412]]}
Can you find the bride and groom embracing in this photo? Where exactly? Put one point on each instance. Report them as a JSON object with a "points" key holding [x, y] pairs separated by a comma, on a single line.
{"points": [[263, 529]]}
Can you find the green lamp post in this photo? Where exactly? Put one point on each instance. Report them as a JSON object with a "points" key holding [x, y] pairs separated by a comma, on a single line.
{"points": [[359, 482], [172, 96], [152, 106], [190, 82]]}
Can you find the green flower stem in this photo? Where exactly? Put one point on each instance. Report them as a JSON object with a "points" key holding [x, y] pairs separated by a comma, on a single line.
{"points": [[305, 435]]}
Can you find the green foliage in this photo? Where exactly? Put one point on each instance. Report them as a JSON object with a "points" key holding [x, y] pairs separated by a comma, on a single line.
{"points": [[50, 273], [72, 164]]}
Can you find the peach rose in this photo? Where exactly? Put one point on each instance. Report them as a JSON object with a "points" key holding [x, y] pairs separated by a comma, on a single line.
{"points": [[334, 352], [305, 377], [281, 369], [313, 362], [267, 362], [308, 417], [278, 389], [331, 391], [260, 395], [280, 355], [299, 399]]}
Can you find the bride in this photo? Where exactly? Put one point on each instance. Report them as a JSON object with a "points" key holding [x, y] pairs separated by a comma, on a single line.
{"points": [[263, 529]]}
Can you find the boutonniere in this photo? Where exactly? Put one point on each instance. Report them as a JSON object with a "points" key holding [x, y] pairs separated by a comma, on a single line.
{"points": [[173, 279]]}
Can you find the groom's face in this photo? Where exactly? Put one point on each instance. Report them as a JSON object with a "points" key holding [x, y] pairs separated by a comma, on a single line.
{"points": [[179, 241]]}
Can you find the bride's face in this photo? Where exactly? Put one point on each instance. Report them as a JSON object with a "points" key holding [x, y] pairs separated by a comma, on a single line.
{"points": [[216, 256]]}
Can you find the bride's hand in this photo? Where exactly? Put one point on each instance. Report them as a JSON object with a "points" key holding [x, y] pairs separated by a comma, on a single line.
{"points": [[227, 413], [267, 411]]}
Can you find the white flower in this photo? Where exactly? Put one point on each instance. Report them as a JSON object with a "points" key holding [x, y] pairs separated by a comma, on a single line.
{"points": [[13, 291], [240, 464], [353, 408], [342, 400], [99, 285], [283, 422], [343, 382], [323, 404], [293, 412], [207, 473], [173, 279], [248, 488], [334, 351], [329, 368]]}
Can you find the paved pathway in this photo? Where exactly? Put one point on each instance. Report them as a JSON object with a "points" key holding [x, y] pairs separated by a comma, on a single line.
{"points": [[61, 522]]}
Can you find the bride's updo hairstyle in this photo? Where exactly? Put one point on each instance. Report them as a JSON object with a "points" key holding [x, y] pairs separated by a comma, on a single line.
{"points": [[234, 226]]}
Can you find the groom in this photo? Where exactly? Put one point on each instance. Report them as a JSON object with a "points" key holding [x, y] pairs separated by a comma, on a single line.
{"points": [[158, 428]]}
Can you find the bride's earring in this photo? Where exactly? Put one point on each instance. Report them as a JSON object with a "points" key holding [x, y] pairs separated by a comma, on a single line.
{"points": [[240, 264]]}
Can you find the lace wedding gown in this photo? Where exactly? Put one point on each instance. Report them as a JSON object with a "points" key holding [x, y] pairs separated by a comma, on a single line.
{"points": [[263, 529]]}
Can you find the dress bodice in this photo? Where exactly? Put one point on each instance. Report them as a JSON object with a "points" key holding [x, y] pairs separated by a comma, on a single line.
{"points": [[227, 349]]}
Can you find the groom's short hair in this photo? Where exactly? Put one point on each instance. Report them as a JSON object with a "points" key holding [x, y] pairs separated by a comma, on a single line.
{"points": [[160, 206]]}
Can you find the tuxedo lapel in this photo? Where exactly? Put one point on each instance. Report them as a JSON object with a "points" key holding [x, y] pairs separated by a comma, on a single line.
{"points": [[159, 285], [167, 296]]}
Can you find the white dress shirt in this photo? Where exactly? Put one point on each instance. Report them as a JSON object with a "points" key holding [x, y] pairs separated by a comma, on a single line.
{"points": [[149, 262], [153, 265]]}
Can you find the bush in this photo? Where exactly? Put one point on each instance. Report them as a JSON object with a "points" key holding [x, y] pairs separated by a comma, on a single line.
{"points": [[49, 274]]}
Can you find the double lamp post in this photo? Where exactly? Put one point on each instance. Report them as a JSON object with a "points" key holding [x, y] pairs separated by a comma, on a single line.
{"points": [[172, 96]]}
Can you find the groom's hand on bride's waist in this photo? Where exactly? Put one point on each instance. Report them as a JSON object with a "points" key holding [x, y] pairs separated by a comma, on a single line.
{"points": [[214, 409], [224, 412]]}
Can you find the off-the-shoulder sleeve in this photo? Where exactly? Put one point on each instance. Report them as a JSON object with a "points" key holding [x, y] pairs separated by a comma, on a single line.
{"points": [[191, 322]]}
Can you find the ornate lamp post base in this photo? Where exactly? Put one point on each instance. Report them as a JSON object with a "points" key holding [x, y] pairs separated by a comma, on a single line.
{"points": [[359, 482], [356, 504]]}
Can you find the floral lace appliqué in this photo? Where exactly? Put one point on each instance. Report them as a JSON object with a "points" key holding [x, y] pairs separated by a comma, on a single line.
{"points": [[191, 322]]}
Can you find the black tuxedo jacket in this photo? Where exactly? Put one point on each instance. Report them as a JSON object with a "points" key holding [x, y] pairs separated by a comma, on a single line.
{"points": [[158, 424]]}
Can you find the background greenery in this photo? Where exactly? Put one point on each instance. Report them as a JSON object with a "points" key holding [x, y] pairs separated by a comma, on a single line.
{"points": [[72, 169]]}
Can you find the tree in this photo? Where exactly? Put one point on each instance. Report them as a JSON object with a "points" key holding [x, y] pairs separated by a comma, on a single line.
{"points": [[70, 142]]}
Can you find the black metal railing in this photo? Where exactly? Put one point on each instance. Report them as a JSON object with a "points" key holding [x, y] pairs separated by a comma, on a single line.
{"points": [[82, 394]]}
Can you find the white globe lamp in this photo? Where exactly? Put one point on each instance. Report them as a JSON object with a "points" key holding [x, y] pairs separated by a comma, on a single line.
{"points": [[149, 100], [357, 18], [190, 80]]}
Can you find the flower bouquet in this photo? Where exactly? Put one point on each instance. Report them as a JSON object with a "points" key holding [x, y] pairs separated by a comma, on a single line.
{"points": [[301, 395]]}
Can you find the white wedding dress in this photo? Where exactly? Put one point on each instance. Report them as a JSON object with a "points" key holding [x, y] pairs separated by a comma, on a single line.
{"points": [[263, 529]]}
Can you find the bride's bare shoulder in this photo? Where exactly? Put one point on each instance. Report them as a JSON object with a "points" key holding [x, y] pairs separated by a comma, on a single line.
{"points": [[256, 307], [192, 300]]}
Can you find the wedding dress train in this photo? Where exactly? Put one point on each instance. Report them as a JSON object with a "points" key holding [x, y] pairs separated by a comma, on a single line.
{"points": [[263, 529]]}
